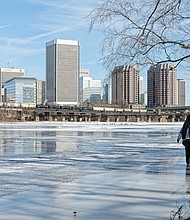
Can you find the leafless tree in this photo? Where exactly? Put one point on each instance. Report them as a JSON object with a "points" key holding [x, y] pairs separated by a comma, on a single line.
{"points": [[143, 32]]}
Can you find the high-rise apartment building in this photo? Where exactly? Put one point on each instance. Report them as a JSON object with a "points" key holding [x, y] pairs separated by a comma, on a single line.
{"points": [[181, 92], [62, 72], [162, 86], [7, 74], [125, 85]]}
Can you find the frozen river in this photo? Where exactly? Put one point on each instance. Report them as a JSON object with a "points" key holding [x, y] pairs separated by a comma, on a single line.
{"points": [[102, 171]]}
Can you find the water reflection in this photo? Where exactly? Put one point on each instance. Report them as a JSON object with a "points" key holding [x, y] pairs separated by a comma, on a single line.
{"points": [[14, 142], [46, 146], [27, 142], [42, 139], [51, 169]]}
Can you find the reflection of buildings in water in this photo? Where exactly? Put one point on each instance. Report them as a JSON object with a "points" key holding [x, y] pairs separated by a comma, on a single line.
{"points": [[42, 141], [95, 133], [23, 141], [45, 141], [66, 141], [48, 146], [16, 142], [26, 142], [55, 141], [63, 141]]}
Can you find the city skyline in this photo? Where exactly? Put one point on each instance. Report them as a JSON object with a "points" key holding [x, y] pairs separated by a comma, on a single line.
{"points": [[26, 25]]}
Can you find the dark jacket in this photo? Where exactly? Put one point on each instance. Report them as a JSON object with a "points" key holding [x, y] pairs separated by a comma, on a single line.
{"points": [[184, 129], [183, 132]]}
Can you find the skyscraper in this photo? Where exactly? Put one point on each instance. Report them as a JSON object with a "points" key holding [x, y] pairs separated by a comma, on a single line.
{"points": [[40, 92], [62, 72], [162, 86], [181, 92], [125, 85]]}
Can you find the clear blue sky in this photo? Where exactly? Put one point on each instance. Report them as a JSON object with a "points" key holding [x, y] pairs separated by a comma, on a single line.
{"points": [[26, 25]]}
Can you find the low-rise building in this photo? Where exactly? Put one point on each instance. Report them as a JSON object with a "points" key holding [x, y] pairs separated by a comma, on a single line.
{"points": [[90, 90], [7, 74], [21, 90]]}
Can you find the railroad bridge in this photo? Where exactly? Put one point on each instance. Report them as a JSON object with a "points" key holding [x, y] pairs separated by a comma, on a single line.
{"points": [[101, 115]]}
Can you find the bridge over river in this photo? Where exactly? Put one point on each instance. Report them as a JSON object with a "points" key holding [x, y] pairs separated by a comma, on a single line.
{"points": [[98, 114], [166, 114]]}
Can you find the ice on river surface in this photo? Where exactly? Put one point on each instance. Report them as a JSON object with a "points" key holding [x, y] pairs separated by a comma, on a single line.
{"points": [[100, 171]]}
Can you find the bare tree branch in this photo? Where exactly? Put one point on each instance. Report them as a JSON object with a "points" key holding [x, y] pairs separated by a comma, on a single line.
{"points": [[143, 32]]}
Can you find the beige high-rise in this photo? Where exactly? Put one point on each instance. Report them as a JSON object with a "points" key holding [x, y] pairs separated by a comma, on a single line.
{"points": [[62, 72], [125, 85], [40, 92], [162, 86]]}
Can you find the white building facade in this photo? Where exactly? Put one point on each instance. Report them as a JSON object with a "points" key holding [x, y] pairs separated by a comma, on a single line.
{"points": [[21, 90], [90, 90], [40, 91]]}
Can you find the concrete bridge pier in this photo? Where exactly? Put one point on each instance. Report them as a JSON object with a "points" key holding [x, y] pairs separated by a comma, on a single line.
{"points": [[75, 118], [87, 118], [63, 118], [163, 119], [149, 119], [50, 118], [36, 118], [108, 119], [80, 119], [116, 118], [127, 118], [23, 118]]}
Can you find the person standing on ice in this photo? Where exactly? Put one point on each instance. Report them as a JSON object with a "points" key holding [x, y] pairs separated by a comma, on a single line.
{"points": [[185, 135]]}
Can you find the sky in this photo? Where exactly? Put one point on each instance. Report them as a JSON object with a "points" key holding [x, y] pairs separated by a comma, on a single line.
{"points": [[26, 26]]}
